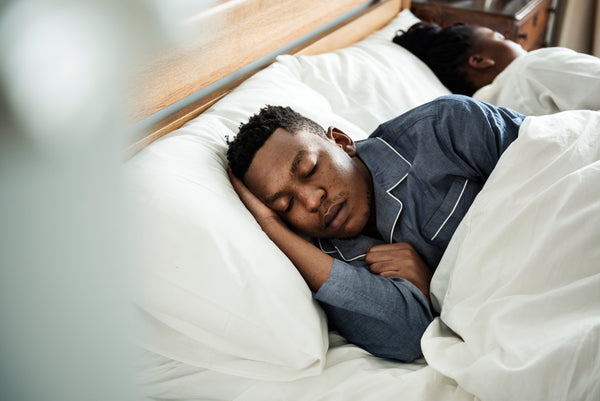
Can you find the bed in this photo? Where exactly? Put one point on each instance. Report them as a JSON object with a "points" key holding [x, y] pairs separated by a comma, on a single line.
{"points": [[222, 314]]}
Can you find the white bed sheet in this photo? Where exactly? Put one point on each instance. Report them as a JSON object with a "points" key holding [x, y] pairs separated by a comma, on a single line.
{"points": [[349, 374]]}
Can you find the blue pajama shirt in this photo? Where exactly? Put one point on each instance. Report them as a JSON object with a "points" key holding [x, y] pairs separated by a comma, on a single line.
{"points": [[427, 167]]}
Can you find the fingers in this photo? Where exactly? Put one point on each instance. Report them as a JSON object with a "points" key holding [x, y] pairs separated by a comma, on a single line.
{"points": [[399, 260], [238, 185], [396, 259], [397, 266], [387, 268], [391, 247], [389, 252], [404, 275]]}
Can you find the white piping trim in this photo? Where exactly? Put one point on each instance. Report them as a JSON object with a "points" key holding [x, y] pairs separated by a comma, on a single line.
{"points": [[397, 200], [452, 211], [394, 186], [340, 252], [395, 151]]}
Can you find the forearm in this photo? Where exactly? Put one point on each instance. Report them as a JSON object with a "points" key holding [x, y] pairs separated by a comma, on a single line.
{"points": [[385, 316], [313, 264]]}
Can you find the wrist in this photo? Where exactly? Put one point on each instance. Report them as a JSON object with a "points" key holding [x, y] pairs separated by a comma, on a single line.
{"points": [[272, 225]]}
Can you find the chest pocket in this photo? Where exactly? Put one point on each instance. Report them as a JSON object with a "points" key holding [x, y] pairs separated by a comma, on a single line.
{"points": [[442, 224]]}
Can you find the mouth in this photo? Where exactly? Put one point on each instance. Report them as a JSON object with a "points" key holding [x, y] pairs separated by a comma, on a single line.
{"points": [[337, 215]]}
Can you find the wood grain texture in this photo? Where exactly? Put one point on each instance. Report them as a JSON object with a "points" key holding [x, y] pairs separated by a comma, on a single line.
{"points": [[219, 40], [353, 30], [524, 22], [170, 81]]}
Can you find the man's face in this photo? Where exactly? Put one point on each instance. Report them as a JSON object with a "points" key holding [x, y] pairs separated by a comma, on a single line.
{"points": [[317, 185]]}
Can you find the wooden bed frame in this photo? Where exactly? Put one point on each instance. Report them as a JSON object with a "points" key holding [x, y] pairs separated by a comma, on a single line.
{"points": [[249, 31]]}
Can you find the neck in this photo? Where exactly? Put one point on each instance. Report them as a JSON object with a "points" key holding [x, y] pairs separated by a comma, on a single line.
{"points": [[371, 228]]}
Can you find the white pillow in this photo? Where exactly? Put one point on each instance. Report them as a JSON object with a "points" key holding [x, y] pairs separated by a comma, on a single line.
{"points": [[214, 291], [371, 81]]}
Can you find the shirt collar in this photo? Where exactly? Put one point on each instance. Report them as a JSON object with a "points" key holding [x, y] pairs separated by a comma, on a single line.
{"points": [[388, 169]]}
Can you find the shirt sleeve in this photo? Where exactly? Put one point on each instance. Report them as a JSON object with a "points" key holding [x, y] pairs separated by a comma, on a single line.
{"points": [[385, 316], [474, 133]]}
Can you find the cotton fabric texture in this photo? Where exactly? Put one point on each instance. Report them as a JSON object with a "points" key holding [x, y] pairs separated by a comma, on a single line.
{"points": [[546, 81]]}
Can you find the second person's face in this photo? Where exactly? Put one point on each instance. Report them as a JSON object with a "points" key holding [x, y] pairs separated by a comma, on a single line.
{"points": [[495, 46]]}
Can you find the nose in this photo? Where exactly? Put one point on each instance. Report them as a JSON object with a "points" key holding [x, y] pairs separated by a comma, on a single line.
{"points": [[312, 198]]}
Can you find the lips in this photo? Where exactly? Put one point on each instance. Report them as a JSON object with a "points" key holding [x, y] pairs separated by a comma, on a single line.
{"points": [[336, 215]]}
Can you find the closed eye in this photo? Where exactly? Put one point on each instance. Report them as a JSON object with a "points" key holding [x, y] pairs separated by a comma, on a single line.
{"points": [[289, 207], [311, 172]]}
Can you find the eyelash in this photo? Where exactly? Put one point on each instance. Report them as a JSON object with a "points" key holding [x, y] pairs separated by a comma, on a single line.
{"points": [[290, 204]]}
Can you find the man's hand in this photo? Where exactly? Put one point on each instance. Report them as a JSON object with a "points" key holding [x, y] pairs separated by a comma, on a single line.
{"points": [[313, 264], [261, 212], [400, 260]]}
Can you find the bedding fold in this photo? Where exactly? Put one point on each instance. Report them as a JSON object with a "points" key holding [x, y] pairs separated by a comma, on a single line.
{"points": [[519, 286]]}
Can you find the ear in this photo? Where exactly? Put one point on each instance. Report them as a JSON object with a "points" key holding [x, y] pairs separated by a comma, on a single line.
{"points": [[342, 140], [480, 62]]}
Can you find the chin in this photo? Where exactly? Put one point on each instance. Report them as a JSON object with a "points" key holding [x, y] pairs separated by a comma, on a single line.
{"points": [[342, 235], [351, 233], [349, 236]]}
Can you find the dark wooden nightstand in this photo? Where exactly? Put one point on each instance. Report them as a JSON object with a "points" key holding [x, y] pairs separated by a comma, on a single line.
{"points": [[524, 21]]}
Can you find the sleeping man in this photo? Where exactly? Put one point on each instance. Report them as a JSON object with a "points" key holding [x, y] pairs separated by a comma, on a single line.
{"points": [[477, 61], [379, 212]]}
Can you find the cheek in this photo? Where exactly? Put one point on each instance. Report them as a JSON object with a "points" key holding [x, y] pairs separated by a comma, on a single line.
{"points": [[305, 222], [343, 168]]}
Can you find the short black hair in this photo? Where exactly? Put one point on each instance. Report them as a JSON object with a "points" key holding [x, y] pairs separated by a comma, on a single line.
{"points": [[253, 134], [444, 50]]}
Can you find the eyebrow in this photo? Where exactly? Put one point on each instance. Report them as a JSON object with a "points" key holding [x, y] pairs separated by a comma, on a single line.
{"points": [[293, 168], [297, 160]]}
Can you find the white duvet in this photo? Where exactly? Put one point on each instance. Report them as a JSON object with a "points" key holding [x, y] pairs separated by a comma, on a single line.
{"points": [[519, 285], [546, 81]]}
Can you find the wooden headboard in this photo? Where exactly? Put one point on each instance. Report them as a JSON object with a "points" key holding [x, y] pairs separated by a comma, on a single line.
{"points": [[230, 34]]}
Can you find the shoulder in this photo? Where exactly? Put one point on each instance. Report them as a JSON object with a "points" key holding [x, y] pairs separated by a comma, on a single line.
{"points": [[451, 104], [430, 112], [450, 112], [546, 52], [459, 110], [555, 58], [432, 122]]}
